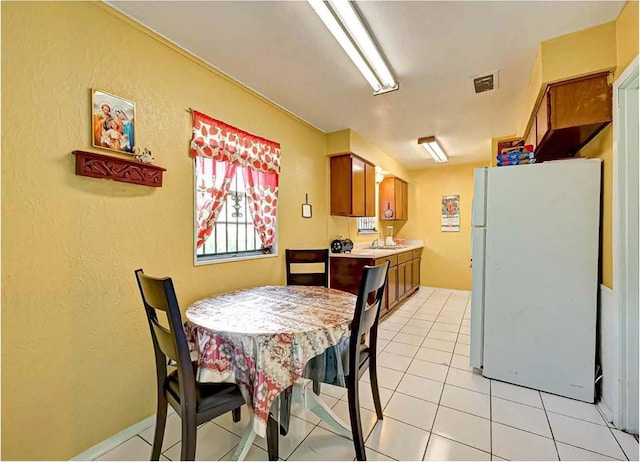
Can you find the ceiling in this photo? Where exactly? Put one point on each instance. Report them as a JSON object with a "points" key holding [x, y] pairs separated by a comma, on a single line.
{"points": [[284, 52]]}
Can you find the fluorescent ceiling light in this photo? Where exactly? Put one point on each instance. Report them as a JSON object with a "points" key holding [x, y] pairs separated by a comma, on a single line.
{"points": [[432, 146], [356, 42]]}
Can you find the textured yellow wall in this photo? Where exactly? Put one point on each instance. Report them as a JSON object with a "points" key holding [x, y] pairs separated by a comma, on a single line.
{"points": [[626, 36], [446, 256], [571, 55], [77, 362], [579, 53], [532, 95], [339, 142], [602, 145]]}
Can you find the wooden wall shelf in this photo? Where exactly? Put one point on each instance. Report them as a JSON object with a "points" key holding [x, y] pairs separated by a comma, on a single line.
{"points": [[117, 169]]}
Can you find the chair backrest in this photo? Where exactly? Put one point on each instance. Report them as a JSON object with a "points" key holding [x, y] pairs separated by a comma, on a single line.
{"points": [[158, 294], [308, 257], [367, 309]]}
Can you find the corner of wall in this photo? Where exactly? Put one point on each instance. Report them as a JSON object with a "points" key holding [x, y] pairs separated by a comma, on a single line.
{"points": [[626, 36]]}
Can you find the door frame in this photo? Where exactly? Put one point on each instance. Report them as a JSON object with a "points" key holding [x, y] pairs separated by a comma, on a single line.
{"points": [[626, 413]]}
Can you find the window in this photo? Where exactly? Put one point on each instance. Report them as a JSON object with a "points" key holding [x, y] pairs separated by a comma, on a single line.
{"points": [[367, 225], [234, 233], [236, 178]]}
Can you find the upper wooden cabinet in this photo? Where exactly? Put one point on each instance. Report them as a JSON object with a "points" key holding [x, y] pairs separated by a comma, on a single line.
{"points": [[570, 114], [353, 182], [393, 199]]}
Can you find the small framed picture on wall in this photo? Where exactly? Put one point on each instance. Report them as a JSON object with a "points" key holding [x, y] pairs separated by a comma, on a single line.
{"points": [[112, 122], [450, 213]]}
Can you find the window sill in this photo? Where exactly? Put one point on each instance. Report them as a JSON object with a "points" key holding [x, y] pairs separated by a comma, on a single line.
{"points": [[213, 260], [368, 233]]}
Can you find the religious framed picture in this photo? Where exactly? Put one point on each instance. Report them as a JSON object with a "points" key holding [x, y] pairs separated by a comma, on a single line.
{"points": [[112, 122]]}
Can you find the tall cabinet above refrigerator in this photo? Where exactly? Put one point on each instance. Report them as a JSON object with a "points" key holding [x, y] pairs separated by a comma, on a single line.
{"points": [[535, 241]]}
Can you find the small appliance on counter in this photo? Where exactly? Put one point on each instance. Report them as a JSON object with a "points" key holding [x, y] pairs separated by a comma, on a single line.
{"points": [[341, 245], [388, 241]]}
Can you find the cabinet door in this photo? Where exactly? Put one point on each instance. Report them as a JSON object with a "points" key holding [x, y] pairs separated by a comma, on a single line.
{"points": [[357, 187], [416, 273], [369, 190], [392, 283], [405, 200], [580, 102], [387, 202], [385, 299], [542, 118], [408, 277], [401, 280], [341, 185], [399, 192]]}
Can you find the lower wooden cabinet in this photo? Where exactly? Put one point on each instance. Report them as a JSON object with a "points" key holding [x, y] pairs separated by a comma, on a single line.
{"points": [[402, 281], [392, 288], [416, 273]]}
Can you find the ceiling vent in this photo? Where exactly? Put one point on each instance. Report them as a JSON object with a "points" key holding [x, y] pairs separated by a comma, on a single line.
{"points": [[485, 83]]}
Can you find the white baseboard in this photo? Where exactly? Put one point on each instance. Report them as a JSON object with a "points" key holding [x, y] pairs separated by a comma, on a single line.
{"points": [[116, 440], [605, 410], [609, 354]]}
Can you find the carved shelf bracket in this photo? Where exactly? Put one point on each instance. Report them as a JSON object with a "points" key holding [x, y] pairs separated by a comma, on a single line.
{"points": [[117, 169]]}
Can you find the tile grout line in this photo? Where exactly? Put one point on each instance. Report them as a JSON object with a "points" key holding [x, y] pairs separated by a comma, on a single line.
{"points": [[404, 373], [387, 403], [393, 392], [589, 450], [555, 443], [491, 419], [435, 416], [614, 437], [303, 439], [611, 431]]}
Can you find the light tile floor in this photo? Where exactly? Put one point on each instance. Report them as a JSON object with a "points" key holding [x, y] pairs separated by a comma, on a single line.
{"points": [[435, 407]]}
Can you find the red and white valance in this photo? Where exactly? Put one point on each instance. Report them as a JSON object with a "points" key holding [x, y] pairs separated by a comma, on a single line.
{"points": [[220, 152], [224, 143]]}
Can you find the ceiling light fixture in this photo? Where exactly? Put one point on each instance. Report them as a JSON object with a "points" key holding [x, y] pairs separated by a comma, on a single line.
{"points": [[432, 146], [343, 22]]}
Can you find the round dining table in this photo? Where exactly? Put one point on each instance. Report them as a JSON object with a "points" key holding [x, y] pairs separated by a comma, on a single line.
{"points": [[262, 338]]}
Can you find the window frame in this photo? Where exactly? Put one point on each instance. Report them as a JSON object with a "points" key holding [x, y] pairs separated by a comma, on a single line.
{"points": [[367, 232], [227, 257]]}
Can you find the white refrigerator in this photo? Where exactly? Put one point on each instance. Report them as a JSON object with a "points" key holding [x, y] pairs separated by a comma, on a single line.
{"points": [[535, 242]]}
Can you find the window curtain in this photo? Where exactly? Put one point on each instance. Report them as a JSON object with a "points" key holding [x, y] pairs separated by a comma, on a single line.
{"points": [[212, 189], [230, 148]]}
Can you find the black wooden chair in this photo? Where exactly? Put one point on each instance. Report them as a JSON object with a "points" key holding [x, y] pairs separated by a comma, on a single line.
{"points": [[362, 356], [194, 402], [306, 256]]}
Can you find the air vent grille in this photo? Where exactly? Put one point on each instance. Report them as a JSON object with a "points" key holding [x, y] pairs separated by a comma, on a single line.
{"points": [[484, 83]]}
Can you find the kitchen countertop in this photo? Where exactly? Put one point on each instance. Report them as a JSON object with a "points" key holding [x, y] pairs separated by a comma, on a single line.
{"points": [[364, 251]]}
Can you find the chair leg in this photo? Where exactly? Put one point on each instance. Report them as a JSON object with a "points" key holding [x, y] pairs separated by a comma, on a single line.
{"points": [[285, 410], [373, 378], [161, 422], [272, 437], [316, 387], [237, 414], [189, 433], [354, 416]]}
